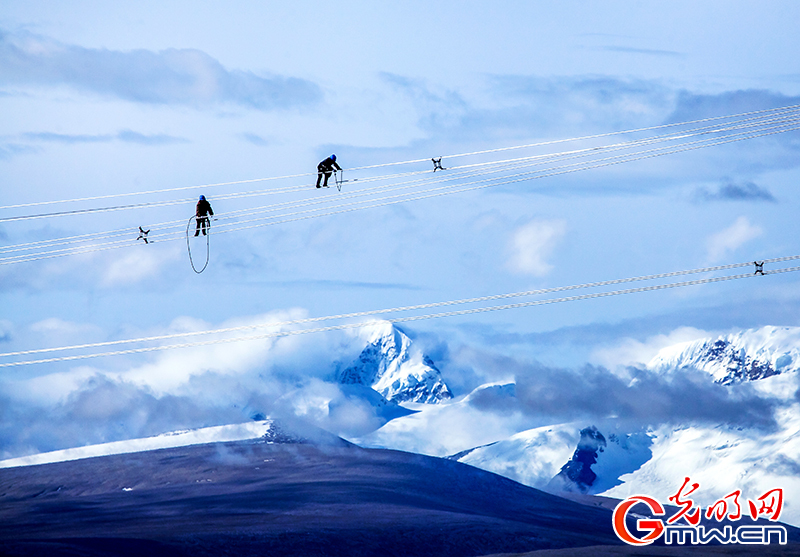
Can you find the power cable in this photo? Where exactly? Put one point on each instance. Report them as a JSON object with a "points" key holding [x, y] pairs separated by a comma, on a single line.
{"points": [[778, 110], [401, 319], [458, 188], [666, 137], [401, 309]]}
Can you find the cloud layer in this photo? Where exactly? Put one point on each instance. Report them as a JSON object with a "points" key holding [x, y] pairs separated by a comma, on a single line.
{"points": [[641, 397], [170, 77], [293, 377], [178, 389]]}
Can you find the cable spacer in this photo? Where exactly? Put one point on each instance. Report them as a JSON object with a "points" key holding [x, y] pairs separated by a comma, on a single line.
{"points": [[759, 267], [143, 235], [437, 164]]}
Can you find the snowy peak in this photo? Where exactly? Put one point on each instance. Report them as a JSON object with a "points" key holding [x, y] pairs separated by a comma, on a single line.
{"points": [[386, 348], [393, 367], [744, 356]]}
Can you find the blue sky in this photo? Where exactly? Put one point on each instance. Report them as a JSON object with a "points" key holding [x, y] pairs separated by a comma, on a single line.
{"points": [[108, 98]]}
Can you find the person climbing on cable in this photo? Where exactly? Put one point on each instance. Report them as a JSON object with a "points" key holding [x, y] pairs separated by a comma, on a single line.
{"points": [[326, 167], [201, 213]]}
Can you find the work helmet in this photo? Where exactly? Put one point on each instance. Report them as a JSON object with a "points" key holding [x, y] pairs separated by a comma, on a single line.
{"points": [[333, 157], [202, 198]]}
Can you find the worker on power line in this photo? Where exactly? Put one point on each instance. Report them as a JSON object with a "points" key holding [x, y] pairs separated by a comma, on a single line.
{"points": [[201, 214], [326, 167]]}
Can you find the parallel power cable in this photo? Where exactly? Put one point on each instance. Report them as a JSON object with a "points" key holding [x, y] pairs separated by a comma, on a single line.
{"points": [[778, 110], [517, 305], [449, 190], [678, 135], [171, 224], [788, 108], [410, 308], [667, 137], [506, 165], [459, 188], [148, 192], [172, 231], [402, 309], [672, 136], [499, 165], [596, 136], [162, 226], [163, 203]]}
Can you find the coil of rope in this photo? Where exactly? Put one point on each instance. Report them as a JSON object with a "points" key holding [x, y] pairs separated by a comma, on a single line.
{"points": [[207, 234]]}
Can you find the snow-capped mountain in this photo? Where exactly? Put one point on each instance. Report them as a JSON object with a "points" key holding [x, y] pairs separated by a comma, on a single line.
{"points": [[599, 458], [608, 458], [743, 356], [720, 458], [391, 366], [565, 457]]}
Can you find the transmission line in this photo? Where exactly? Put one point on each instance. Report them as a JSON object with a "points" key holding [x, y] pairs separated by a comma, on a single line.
{"points": [[401, 309]]}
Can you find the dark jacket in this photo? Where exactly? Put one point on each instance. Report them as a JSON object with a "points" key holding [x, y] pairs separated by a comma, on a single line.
{"points": [[203, 208], [328, 165]]}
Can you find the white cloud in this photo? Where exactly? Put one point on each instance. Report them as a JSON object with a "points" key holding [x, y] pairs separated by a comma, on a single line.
{"points": [[171, 370], [178, 389], [135, 267], [52, 388], [632, 352], [532, 244], [446, 429], [732, 238]]}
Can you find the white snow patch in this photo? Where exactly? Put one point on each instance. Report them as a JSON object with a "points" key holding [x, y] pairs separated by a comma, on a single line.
{"points": [[216, 434]]}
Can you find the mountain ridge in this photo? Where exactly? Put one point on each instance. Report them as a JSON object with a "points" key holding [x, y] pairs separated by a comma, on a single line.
{"points": [[748, 355], [282, 499]]}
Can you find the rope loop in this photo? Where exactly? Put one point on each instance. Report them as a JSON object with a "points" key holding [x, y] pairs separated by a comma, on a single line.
{"points": [[207, 234]]}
